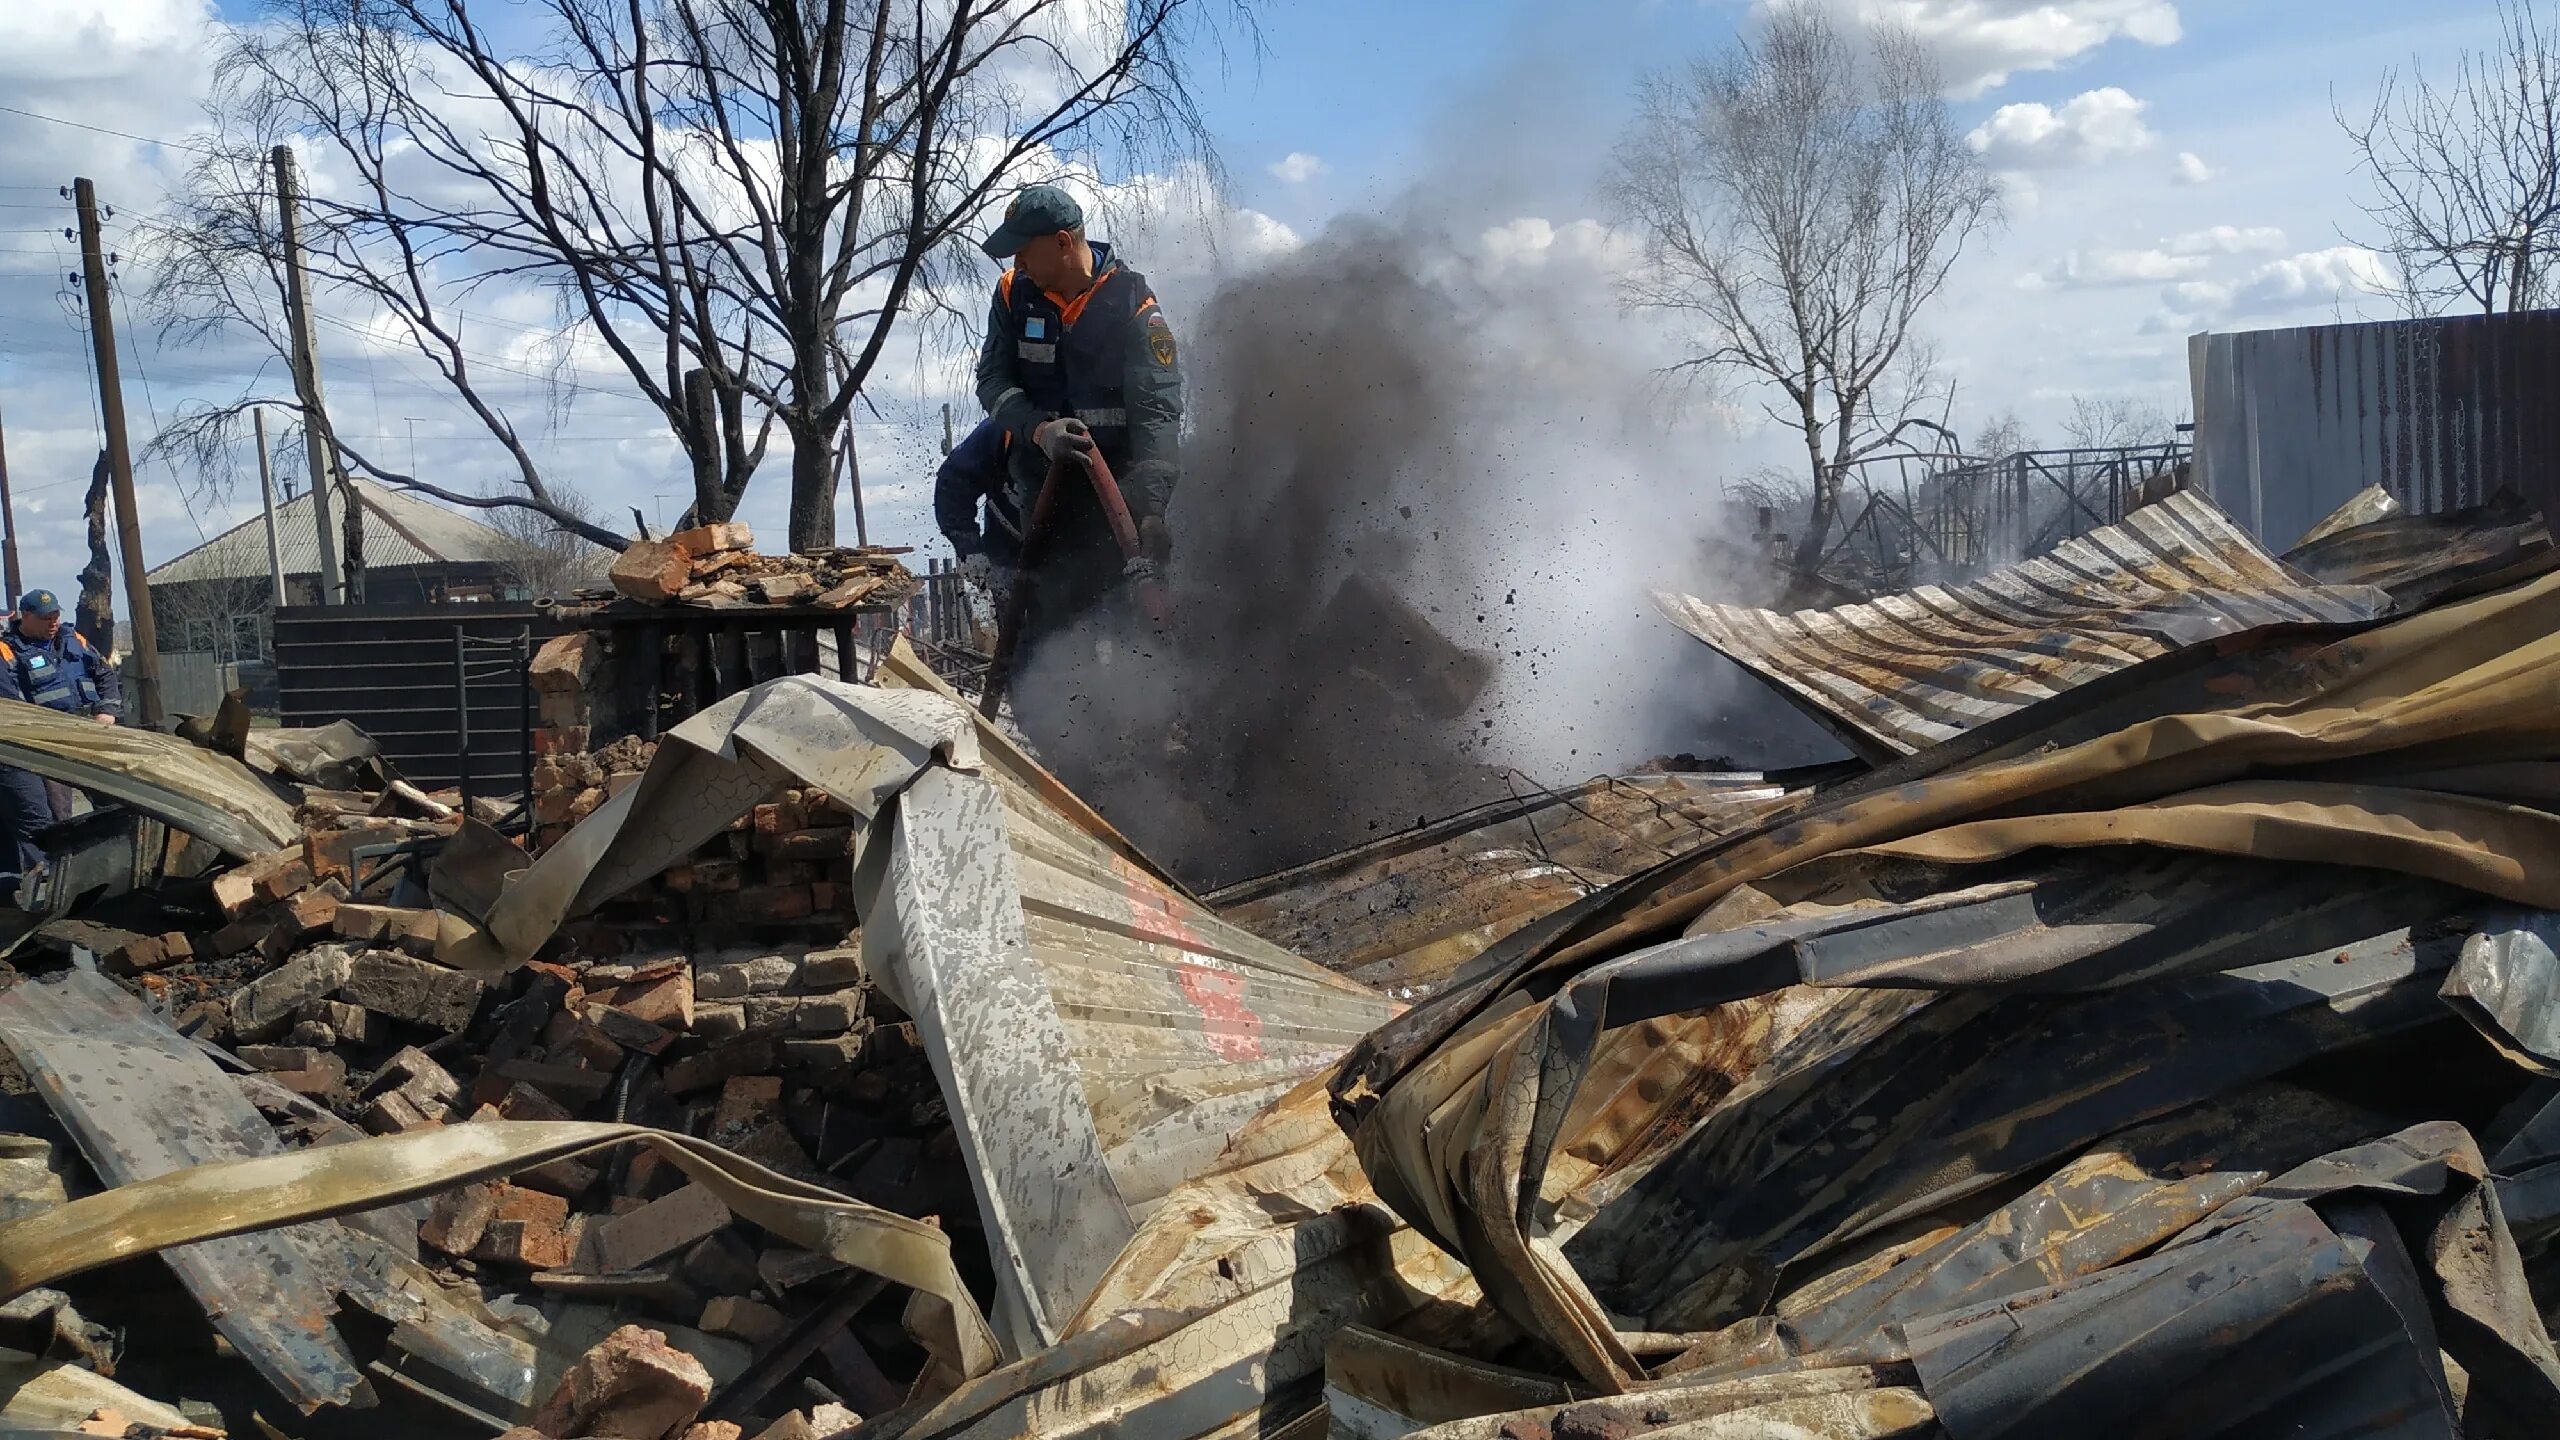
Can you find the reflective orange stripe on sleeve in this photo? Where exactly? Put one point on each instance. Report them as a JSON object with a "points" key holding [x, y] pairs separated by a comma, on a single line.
{"points": [[1004, 289]]}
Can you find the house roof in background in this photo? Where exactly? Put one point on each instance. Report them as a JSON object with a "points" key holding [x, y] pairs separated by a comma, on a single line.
{"points": [[400, 529]]}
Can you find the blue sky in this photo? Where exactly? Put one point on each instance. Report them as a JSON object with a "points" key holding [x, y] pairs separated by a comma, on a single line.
{"points": [[1493, 117]]}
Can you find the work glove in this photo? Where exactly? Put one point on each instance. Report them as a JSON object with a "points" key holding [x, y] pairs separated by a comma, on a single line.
{"points": [[1062, 437], [1155, 540], [975, 568], [103, 718]]}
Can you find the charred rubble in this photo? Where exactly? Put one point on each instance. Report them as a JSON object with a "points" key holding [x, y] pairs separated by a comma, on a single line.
{"points": [[2155, 1030]]}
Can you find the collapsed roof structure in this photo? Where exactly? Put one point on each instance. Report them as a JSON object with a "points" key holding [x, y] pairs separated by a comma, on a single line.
{"points": [[2159, 1033]]}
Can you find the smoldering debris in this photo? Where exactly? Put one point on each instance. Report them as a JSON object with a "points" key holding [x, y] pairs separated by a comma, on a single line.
{"points": [[1458, 432]]}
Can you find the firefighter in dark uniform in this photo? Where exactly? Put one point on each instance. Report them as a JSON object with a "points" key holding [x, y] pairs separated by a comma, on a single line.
{"points": [[45, 662], [975, 472], [1078, 356]]}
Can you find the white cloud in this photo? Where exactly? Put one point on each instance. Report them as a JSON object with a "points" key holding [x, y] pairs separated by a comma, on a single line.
{"points": [[2092, 269], [2089, 128], [1983, 42], [1531, 241], [2296, 282], [2186, 257], [58, 42], [2191, 169], [2229, 240], [1298, 167]]}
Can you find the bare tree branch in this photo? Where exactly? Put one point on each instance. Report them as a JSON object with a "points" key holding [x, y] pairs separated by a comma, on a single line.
{"points": [[1801, 200], [760, 189], [2466, 175]]}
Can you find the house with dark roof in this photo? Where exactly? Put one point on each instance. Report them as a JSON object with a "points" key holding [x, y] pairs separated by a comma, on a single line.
{"points": [[217, 597]]}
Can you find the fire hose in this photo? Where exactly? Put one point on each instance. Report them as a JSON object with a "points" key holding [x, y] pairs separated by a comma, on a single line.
{"points": [[1035, 541]]}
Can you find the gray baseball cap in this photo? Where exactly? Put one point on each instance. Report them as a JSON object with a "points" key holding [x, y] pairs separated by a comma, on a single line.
{"points": [[1036, 210]]}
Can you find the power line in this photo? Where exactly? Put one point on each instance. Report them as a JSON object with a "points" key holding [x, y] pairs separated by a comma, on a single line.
{"points": [[103, 130], [500, 365]]}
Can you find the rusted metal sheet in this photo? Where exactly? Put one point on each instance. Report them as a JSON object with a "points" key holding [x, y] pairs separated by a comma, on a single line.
{"points": [[141, 1102], [1098, 1033], [250, 1197], [1379, 1386], [1899, 674], [1921, 1097], [1403, 912], [2443, 413], [2420, 558], [208, 795]]}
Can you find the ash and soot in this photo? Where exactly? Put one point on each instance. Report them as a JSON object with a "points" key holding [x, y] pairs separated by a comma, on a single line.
{"points": [[1426, 484]]}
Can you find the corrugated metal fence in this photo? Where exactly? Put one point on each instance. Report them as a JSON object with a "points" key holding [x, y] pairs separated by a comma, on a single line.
{"points": [[2442, 413], [391, 669]]}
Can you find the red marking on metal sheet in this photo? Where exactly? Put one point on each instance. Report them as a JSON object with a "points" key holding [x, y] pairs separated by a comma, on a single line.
{"points": [[1231, 1027], [1153, 911], [1233, 1030]]}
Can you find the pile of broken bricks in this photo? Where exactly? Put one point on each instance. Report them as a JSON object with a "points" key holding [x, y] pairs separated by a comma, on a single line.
{"points": [[316, 991], [786, 865], [717, 567]]}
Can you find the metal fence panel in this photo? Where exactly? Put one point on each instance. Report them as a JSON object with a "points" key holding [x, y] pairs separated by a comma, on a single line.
{"points": [[193, 682], [2443, 413], [390, 669]]}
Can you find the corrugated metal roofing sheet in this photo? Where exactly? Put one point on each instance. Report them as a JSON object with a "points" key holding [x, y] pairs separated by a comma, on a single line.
{"points": [[2418, 557], [400, 529], [1409, 909], [1903, 672]]}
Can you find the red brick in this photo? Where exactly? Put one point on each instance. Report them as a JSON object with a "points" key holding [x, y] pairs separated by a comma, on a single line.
{"points": [[388, 926], [660, 1228], [238, 889], [393, 1112], [330, 854], [777, 818], [772, 904], [533, 1244], [459, 1218], [291, 877], [749, 1320], [667, 1001], [565, 662], [632, 1386], [706, 540], [515, 1202], [652, 570]]}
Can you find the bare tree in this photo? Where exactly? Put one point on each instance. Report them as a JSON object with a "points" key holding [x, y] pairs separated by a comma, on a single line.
{"points": [[1801, 200], [2117, 422], [217, 262], [759, 189], [544, 557], [2466, 175], [1999, 435]]}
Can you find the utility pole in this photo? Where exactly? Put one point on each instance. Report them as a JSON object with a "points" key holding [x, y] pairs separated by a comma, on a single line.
{"points": [[316, 447], [267, 497], [9, 526], [853, 475], [137, 588]]}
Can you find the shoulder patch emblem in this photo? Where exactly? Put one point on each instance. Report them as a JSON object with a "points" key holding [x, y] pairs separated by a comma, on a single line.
{"points": [[1160, 342]]}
